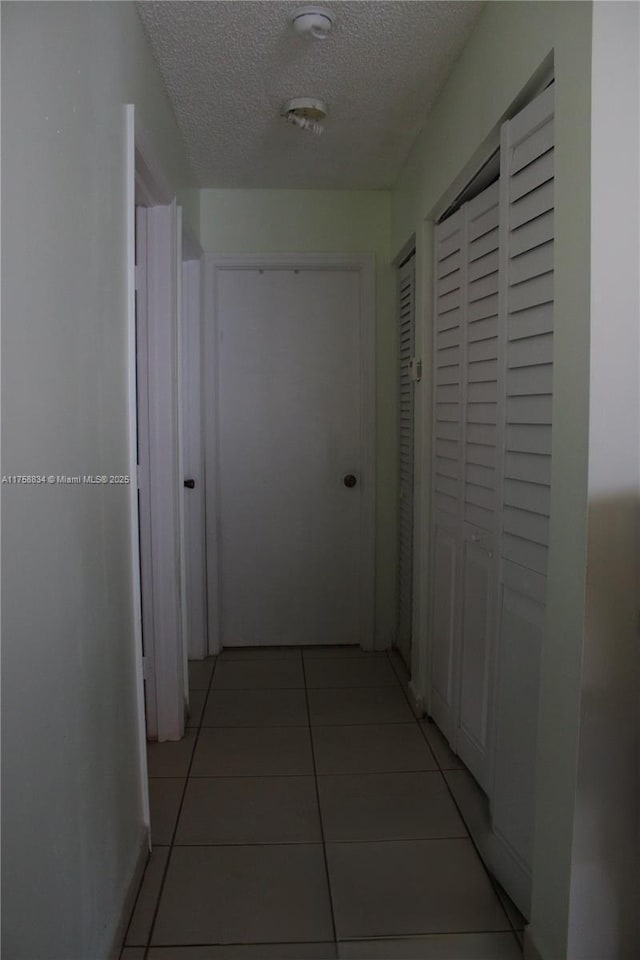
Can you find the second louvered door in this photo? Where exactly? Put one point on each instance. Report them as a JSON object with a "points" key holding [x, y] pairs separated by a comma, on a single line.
{"points": [[482, 386], [527, 276], [447, 461], [493, 376], [406, 350]]}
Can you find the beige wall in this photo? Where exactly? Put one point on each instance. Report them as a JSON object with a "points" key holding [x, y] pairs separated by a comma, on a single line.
{"points": [[508, 46], [330, 221], [72, 824]]}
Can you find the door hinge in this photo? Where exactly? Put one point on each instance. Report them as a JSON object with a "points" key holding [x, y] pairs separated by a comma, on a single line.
{"points": [[415, 369]]}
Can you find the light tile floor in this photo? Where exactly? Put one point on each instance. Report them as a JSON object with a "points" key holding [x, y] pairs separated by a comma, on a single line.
{"points": [[306, 815]]}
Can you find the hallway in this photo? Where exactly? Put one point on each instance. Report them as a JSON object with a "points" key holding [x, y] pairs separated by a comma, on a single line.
{"points": [[307, 814]]}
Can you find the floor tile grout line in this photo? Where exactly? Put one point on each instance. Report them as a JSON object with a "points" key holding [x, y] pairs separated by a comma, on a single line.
{"points": [[295, 776], [310, 726], [177, 821], [302, 726], [344, 940], [250, 943], [316, 843], [320, 818], [388, 652], [274, 689]]}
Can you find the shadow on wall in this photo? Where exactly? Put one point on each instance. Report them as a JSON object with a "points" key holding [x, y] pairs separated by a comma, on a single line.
{"points": [[606, 842]]}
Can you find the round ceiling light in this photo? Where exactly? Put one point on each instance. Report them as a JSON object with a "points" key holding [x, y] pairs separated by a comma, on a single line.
{"points": [[305, 112], [312, 22]]}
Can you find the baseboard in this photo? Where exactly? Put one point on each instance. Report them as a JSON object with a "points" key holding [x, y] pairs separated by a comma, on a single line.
{"points": [[417, 700], [117, 939]]}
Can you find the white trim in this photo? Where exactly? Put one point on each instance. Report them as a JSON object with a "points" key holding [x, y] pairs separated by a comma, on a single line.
{"points": [[365, 265], [165, 483], [133, 459], [421, 640], [179, 234], [209, 373], [144, 473], [193, 451]]}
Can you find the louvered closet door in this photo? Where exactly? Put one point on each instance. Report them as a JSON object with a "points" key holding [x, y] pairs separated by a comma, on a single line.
{"points": [[447, 479], [527, 244], [482, 385], [406, 328]]}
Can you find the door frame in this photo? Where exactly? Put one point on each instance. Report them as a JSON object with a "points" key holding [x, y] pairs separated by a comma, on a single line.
{"points": [[132, 407], [193, 451], [364, 265], [164, 668]]}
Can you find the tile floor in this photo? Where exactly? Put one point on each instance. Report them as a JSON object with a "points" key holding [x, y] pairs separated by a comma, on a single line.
{"points": [[306, 814]]}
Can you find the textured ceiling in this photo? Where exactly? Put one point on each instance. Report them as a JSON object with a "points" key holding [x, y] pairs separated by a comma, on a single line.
{"points": [[229, 64]]}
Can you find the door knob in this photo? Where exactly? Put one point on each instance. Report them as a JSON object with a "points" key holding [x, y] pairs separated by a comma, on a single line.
{"points": [[350, 480], [190, 484]]}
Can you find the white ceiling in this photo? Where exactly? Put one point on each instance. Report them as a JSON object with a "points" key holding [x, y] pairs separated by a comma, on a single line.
{"points": [[229, 64]]}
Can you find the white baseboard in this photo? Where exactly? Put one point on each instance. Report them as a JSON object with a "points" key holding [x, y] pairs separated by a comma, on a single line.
{"points": [[139, 865], [417, 700]]}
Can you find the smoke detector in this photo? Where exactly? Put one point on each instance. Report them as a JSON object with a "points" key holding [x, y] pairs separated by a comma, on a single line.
{"points": [[305, 112], [312, 22]]}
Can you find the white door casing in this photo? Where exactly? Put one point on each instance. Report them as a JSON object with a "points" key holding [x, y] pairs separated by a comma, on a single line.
{"points": [[289, 414], [193, 461], [132, 404], [160, 479]]}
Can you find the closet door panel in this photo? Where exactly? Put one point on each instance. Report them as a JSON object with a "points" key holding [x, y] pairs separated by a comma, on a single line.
{"points": [[481, 389], [516, 722], [475, 662], [446, 550], [448, 468], [445, 394], [527, 316]]}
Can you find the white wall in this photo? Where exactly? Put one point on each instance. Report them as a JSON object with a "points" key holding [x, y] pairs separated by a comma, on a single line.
{"points": [[71, 808], [331, 221], [605, 884]]}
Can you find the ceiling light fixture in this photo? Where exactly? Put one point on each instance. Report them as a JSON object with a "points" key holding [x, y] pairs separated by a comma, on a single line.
{"points": [[305, 112], [312, 22]]}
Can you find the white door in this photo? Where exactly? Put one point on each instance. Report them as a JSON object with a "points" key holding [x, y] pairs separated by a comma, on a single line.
{"points": [[447, 467], [294, 489], [482, 389]]}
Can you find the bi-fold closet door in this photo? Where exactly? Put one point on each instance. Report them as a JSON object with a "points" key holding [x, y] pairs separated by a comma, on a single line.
{"points": [[491, 456], [406, 406], [465, 475]]}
